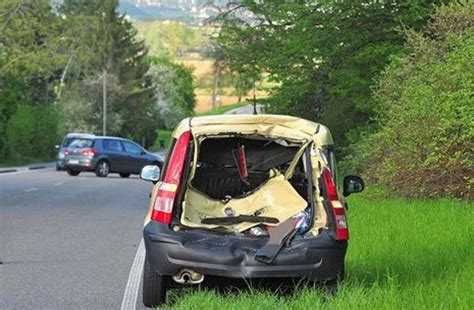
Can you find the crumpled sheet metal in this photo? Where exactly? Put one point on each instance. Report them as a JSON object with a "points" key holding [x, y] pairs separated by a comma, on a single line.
{"points": [[272, 126], [276, 198]]}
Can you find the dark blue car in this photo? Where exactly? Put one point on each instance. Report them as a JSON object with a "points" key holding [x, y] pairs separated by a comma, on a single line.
{"points": [[105, 155]]}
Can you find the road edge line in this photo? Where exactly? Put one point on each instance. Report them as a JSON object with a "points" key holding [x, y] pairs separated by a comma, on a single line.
{"points": [[130, 295]]}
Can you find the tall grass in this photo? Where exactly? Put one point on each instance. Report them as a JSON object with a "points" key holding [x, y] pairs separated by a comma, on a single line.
{"points": [[402, 255]]}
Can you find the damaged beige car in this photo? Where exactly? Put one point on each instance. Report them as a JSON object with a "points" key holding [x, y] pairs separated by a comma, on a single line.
{"points": [[245, 196]]}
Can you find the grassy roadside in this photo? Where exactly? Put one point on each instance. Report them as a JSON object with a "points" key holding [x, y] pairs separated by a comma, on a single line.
{"points": [[402, 255]]}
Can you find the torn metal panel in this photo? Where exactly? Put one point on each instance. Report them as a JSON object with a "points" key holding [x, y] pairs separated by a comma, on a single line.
{"points": [[276, 198]]}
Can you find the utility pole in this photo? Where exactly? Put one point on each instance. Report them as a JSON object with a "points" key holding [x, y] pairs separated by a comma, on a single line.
{"points": [[104, 102], [254, 95]]}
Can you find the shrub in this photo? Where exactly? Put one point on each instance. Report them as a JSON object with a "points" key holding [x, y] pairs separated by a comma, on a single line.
{"points": [[425, 137], [31, 134]]}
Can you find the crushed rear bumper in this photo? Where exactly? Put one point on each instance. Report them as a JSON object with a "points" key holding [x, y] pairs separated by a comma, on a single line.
{"points": [[226, 255]]}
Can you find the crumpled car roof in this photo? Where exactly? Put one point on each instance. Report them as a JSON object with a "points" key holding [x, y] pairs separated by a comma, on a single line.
{"points": [[272, 126]]}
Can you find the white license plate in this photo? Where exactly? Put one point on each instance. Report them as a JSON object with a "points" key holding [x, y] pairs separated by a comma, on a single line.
{"points": [[73, 161]]}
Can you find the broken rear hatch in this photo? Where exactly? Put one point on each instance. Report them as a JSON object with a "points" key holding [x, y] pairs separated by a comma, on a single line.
{"points": [[249, 204]]}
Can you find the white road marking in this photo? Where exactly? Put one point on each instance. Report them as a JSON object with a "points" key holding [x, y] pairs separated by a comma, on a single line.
{"points": [[31, 189], [59, 183], [129, 301]]}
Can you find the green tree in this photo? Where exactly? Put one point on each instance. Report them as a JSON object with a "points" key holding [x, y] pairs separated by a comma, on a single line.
{"points": [[324, 55], [424, 112], [32, 57], [105, 44], [172, 88]]}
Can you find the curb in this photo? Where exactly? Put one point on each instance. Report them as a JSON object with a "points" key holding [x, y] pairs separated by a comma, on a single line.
{"points": [[27, 168], [36, 167]]}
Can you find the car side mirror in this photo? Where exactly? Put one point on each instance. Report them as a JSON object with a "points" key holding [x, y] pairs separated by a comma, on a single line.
{"points": [[352, 184], [150, 173]]}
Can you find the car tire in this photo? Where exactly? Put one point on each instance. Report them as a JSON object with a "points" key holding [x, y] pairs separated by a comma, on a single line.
{"points": [[72, 172], [154, 287], [331, 287], [102, 169], [124, 175]]}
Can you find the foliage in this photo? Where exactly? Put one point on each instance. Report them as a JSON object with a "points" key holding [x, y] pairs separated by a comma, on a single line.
{"points": [[325, 55], [31, 133], [31, 61], [104, 44], [163, 139], [425, 137], [172, 89], [81, 105], [172, 39]]}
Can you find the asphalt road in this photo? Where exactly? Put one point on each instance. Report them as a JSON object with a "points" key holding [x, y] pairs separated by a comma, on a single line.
{"points": [[68, 242]]}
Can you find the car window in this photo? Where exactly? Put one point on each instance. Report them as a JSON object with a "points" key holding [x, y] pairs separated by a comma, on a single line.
{"points": [[67, 142], [81, 143], [113, 145], [131, 148]]}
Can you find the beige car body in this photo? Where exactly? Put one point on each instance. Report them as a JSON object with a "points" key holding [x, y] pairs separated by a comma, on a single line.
{"points": [[277, 192]]}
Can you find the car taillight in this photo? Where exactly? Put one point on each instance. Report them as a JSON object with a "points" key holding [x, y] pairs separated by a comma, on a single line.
{"points": [[340, 220], [66, 152], [89, 152], [166, 194], [163, 206]]}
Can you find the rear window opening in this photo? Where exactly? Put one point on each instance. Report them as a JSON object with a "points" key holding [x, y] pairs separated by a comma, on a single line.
{"points": [[217, 170], [244, 178]]}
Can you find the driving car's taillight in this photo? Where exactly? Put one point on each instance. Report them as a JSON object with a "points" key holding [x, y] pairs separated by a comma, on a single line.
{"points": [[89, 152], [66, 152], [163, 205], [340, 220]]}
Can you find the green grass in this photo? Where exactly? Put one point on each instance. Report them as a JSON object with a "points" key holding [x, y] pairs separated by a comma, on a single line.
{"points": [[402, 255], [222, 109]]}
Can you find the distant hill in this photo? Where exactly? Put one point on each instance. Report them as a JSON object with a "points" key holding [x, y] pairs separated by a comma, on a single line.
{"points": [[155, 12], [177, 10]]}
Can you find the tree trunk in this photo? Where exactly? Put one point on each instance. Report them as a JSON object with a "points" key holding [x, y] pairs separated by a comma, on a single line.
{"points": [[216, 86]]}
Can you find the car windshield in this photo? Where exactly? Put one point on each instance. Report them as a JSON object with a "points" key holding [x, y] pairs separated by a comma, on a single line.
{"points": [[81, 143]]}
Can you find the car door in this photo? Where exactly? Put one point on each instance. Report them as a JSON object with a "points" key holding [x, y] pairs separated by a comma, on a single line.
{"points": [[116, 155], [135, 159]]}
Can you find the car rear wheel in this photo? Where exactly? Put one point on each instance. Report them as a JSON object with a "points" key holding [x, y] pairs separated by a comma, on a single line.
{"points": [[124, 175], [154, 287], [331, 287], [72, 172], [102, 169]]}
